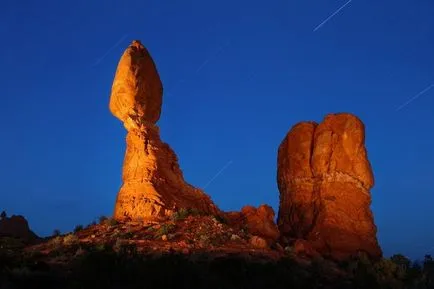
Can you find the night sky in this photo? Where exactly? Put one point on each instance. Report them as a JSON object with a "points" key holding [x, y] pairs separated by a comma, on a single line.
{"points": [[237, 76]]}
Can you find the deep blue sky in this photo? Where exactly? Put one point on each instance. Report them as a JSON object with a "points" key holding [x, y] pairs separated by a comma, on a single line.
{"points": [[240, 74]]}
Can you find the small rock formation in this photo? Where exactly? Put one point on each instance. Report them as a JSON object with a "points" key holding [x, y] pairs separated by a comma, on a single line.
{"points": [[259, 222], [16, 227], [324, 178], [258, 242], [304, 248], [153, 184]]}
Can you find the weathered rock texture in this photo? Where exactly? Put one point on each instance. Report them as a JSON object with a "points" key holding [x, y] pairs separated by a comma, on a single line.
{"points": [[153, 184], [137, 91], [258, 221], [324, 178], [17, 227]]}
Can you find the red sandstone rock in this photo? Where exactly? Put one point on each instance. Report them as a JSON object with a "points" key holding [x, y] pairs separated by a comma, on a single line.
{"points": [[258, 242], [137, 90], [324, 178], [17, 227], [153, 184], [258, 221], [304, 248]]}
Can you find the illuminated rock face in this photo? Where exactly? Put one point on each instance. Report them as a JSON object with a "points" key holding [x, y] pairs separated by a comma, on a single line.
{"points": [[324, 178], [153, 184], [137, 91]]}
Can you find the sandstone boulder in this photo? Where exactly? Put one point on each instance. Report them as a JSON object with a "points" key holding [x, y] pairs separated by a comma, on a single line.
{"points": [[258, 221], [324, 178], [153, 184], [137, 91], [259, 243], [304, 248]]}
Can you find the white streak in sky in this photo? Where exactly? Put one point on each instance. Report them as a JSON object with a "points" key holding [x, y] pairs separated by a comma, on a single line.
{"points": [[331, 16], [217, 174], [414, 97], [98, 61], [219, 50]]}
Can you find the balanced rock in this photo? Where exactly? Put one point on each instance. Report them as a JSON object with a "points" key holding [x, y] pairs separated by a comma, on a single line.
{"points": [[153, 184], [324, 178]]}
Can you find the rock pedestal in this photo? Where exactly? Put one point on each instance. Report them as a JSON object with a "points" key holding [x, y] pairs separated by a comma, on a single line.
{"points": [[324, 178]]}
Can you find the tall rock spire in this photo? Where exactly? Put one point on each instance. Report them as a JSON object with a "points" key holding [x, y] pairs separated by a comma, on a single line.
{"points": [[153, 184]]}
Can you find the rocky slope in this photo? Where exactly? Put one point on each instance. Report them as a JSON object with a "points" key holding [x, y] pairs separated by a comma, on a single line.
{"points": [[189, 250]]}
